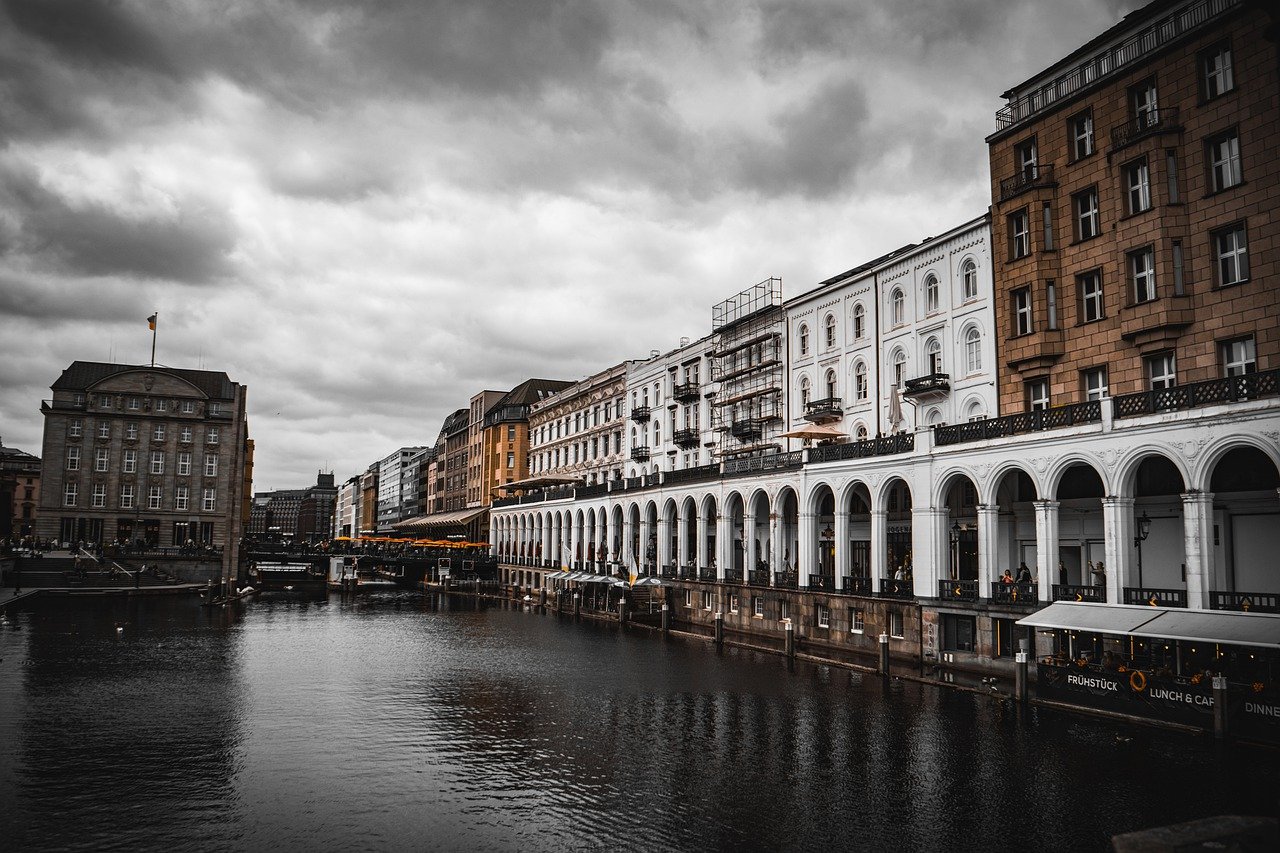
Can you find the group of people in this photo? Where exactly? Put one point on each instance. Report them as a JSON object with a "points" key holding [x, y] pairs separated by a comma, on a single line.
{"points": [[1023, 576]]}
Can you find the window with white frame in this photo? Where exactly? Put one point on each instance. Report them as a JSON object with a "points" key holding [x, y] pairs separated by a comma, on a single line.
{"points": [[1239, 356], [1022, 324], [859, 322], [126, 496], [706, 599], [973, 351], [104, 430], [74, 428], [1089, 285], [969, 276], [188, 407], [1161, 371], [181, 498], [1217, 73], [895, 624], [899, 367], [860, 432], [1019, 234], [933, 355], [804, 392], [210, 501], [1143, 105], [804, 339], [211, 437], [757, 606], [1085, 205], [824, 616], [857, 620], [1137, 186], [130, 462], [157, 462], [1024, 154], [1095, 383], [830, 330], [897, 307], [931, 298], [1142, 274], [1231, 252], [154, 495], [184, 435], [98, 498], [73, 458], [162, 405], [1037, 394], [184, 464], [975, 412], [1081, 127], [131, 431], [157, 434], [784, 610], [860, 380], [134, 404], [101, 459], [688, 598], [1223, 156], [832, 391], [69, 494]]}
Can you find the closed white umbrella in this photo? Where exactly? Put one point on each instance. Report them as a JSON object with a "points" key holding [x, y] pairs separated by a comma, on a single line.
{"points": [[895, 408]]}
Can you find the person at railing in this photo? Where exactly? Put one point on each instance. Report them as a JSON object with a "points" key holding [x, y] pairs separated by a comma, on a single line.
{"points": [[1007, 577], [1098, 573], [1024, 573], [1062, 573]]}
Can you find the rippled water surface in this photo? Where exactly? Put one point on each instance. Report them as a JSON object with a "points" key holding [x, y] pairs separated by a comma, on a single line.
{"points": [[398, 723]]}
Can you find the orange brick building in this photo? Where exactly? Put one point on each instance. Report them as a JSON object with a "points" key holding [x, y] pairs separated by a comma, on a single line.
{"points": [[1134, 194]]}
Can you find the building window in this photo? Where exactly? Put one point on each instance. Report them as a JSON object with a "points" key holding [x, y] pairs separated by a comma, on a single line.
{"points": [[969, 275], [74, 429], [1231, 250], [784, 610], [1002, 638], [180, 498], [1171, 172], [104, 430], [832, 391], [212, 436], [1142, 274], [511, 457], [933, 355], [931, 294], [859, 322], [824, 616], [162, 405], [157, 434], [130, 461], [857, 620], [1022, 311], [958, 632], [185, 435], [1025, 155], [1085, 205], [1222, 153], [1037, 395], [210, 465], [134, 404], [1089, 286], [757, 607], [895, 624], [1095, 383], [126, 496], [1081, 129], [157, 462], [804, 392], [973, 351], [1161, 371], [184, 464], [69, 493], [131, 431], [1217, 72], [188, 407], [1143, 104], [99, 496], [860, 381], [899, 367], [1137, 185], [804, 339], [1239, 357], [830, 330], [897, 307], [101, 457], [73, 459], [210, 500], [861, 432], [1019, 235], [153, 497], [706, 599]]}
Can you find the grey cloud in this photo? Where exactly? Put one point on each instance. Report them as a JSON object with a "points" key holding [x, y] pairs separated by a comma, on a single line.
{"points": [[58, 301], [90, 32]]}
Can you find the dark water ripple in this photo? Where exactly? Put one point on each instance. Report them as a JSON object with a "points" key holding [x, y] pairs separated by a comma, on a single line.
{"points": [[398, 724]]}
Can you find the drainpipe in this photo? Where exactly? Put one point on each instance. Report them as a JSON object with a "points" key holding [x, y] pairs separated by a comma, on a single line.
{"points": [[875, 300]]}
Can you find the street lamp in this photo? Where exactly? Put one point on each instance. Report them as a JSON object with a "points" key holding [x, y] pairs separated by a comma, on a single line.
{"points": [[1144, 529]]}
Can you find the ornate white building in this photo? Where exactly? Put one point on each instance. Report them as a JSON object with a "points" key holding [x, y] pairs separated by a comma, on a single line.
{"points": [[670, 412]]}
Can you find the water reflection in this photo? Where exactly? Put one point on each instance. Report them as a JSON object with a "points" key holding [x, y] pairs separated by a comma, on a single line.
{"points": [[389, 722]]}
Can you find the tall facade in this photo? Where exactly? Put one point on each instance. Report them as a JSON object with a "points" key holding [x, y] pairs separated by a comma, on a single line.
{"points": [[749, 367], [580, 432], [345, 512], [505, 447], [1134, 187], [670, 398], [390, 505], [145, 453], [477, 408], [19, 491], [454, 444]]}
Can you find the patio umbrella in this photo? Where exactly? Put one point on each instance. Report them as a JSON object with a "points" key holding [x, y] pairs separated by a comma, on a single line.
{"points": [[895, 408], [816, 432]]}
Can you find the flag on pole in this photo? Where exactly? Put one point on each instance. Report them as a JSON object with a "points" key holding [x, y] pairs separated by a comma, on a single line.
{"points": [[151, 322]]}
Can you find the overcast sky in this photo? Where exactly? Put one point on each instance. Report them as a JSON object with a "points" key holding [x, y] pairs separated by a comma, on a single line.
{"points": [[367, 212]]}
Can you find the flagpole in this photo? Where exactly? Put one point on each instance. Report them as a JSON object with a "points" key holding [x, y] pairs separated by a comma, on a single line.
{"points": [[154, 324]]}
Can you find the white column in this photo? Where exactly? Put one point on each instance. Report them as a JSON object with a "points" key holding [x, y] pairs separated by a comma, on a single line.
{"points": [[546, 539], [664, 542], [749, 551], [841, 546], [682, 539], [776, 544], [628, 555], [724, 543], [643, 556], [704, 524], [1046, 547], [879, 548], [988, 547], [1117, 527], [807, 562], [1197, 527], [930, 549]]}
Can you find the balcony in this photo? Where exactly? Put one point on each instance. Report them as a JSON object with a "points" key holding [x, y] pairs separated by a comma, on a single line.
{"points": [[821, 583], [747, 429], [1024, 594], [902, 442], [668, 573], [686, 392], [641, 414], [1017, 424], [1153, 597], [1214, 392], [903, 590], [686, 438], [640, 454], [688, 573], [928, 389], [958, 590], [856, 586], [818, 411], [1154, 123], [1027, 179], [733, 575], [1245, 602], [758, 577], [786, 580], [706, 574]]}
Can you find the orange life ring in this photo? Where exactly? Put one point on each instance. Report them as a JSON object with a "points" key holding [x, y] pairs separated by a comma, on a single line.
{"points": [[1138, 680]]}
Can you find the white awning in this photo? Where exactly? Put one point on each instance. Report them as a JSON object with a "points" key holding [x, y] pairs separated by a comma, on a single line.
{"points": [[1207, 626]]}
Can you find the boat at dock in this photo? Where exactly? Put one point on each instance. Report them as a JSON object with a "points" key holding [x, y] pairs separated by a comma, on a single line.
{"points": [[286, 577]]}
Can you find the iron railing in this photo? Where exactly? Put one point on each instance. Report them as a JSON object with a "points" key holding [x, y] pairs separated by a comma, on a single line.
{"points": [[823, 409], [691, 475], [1031, 176], [1079, 592], [1212, 392], [1155, 597], [733, 575], [1247, 602], [668, 572], [1019, 423], [958, 590], [686, 437], [747, 428], [685, 391], [640, 454], [707, 574], [786, 580], [856, 585], [768, 462], [821, 583], [902, 442], [891, 588], [932, 383], [1161, 120], [640, 414], [1015, 593]]}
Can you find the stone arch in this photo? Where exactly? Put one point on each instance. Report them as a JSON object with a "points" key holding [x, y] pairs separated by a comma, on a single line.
{"points": [[1126, 472], [989, 488], [1207, 462], [1053, 479]]}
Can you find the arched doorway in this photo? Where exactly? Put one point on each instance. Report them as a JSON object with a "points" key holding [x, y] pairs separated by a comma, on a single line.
{"points": [[788, 572], [1245, 519], [736, 510], [1079, 574], [1158, 571], [857, 561], [761, 546], [823, 574], [960, 578]]}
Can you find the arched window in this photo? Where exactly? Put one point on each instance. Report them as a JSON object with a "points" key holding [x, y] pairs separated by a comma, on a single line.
{"points": [[899, 363], [974, 411], [931, 294], [860, 380], [861, 432], [830, 326], [969, 273], [859, 321], [933, 418], [897, 307], [933, 355], [804, 393], [804, 339], [973, 350], [831, 384]]}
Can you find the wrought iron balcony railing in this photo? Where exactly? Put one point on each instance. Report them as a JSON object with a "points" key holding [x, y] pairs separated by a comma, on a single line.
{"points": [[1247, 602], [1232, 389], [1027, 178], [856, 585], [1015, 593], [640, 454], [641, 414], [1155, 597], [1162, 120], [686, 392], [823, 410], [686, 438], [934, 384], [958, 590], [1016, 424]]}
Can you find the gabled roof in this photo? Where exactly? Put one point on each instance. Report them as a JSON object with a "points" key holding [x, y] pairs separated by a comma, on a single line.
{"points": [[530, 391], [82, 375]]}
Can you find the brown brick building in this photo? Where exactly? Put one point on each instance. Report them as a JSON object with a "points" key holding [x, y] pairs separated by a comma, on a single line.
{"points": [[1135, 186]]}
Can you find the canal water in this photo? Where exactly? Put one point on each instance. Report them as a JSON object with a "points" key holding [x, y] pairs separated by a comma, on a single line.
{"points": [[397, 723]]}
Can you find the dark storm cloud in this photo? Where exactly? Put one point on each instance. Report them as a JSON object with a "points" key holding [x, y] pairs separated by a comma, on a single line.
{"points": [[54, 302], [87, 238], [90, 32]]}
